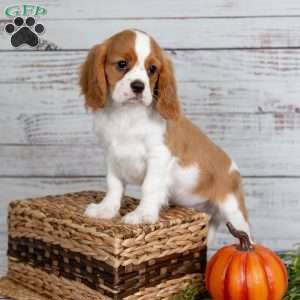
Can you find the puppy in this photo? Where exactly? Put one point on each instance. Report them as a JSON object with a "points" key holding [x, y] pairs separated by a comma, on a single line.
{"points": [[128, 82]]}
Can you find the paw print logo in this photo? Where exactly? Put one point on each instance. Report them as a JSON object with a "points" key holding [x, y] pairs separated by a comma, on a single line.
{"points": [[24, 32]]}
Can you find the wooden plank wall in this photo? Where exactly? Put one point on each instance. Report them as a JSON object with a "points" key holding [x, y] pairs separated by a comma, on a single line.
{"points": [[238, 69]]}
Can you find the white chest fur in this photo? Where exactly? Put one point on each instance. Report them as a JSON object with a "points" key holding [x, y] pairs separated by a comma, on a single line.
{"points": [[127, 134]]}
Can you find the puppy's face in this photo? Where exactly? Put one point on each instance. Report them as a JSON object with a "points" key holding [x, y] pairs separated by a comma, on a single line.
{"points": [[130, 68]]}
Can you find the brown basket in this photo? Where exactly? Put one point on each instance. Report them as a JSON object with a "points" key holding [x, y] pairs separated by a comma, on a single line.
{"points": [[56, 252]]}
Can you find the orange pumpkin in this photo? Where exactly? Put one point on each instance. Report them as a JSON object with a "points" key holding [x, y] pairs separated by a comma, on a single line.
{"points": [[245, 272]]}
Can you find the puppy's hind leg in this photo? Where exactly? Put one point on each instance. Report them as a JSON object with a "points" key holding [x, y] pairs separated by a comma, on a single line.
{"points": [[213, 226], [233, 209]]}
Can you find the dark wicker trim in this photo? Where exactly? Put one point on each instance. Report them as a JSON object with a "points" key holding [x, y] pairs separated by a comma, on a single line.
{"points": [[99, 275]]}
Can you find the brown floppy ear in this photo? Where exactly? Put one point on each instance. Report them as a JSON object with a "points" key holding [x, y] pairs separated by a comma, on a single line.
{"points": [[92, 78], [166, 92]]}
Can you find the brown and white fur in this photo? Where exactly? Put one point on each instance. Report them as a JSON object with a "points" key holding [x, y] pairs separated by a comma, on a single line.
{"points": [[129, 84]]}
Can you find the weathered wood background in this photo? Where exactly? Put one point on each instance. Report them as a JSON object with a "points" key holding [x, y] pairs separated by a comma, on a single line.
{"points": [[238, 68]]}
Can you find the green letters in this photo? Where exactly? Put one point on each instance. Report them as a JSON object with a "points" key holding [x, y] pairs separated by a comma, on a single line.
{"points": [[25, 10]]}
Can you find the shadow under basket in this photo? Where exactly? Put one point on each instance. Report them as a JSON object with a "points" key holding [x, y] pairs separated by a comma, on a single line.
{"points": [[55, 252]]}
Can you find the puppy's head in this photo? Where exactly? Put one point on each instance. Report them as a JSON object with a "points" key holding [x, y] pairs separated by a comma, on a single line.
{"points": [[130, 68]]}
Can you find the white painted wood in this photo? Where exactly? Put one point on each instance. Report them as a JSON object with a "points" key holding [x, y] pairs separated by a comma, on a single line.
{"points": [[65, 129], [74, 9], [196, 97], [61, 160], [190, 33], [44, 69], [274, 205], [64, 145]]}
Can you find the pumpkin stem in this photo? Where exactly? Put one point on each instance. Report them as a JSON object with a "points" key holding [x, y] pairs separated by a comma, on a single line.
{"points": [[245, 244]]}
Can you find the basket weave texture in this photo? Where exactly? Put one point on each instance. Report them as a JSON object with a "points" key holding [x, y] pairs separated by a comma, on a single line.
{"points": [[57, 253]]}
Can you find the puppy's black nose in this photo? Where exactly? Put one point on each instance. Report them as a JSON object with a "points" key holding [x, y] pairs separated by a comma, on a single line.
{"points": [[137, 86]]}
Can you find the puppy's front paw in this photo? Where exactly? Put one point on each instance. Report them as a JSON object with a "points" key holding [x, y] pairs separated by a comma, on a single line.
{"points": [[101, 210], [140, 217]]}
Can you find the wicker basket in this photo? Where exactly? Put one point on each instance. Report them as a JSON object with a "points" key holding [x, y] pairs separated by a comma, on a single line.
{"points": [[57, 253]]}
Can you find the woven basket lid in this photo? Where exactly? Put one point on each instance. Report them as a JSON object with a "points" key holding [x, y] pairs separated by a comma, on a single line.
{"points": [[71, 207]]}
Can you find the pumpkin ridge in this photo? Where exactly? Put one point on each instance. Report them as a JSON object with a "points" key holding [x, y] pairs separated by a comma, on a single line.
{"points": [[269, 278], [265, 253], [245, 290], [226, 295], [279, 262], [211, 266]]}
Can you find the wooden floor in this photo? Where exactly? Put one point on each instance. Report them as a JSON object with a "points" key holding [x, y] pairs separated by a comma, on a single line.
{"points": [[238, 68]]}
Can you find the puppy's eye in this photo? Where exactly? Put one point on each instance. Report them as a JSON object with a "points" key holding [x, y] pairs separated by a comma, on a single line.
{"points": [[122, 65], [151, 70]]}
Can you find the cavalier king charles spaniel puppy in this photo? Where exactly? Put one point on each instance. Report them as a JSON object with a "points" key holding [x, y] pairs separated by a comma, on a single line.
{"points": [[128, 83]]}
